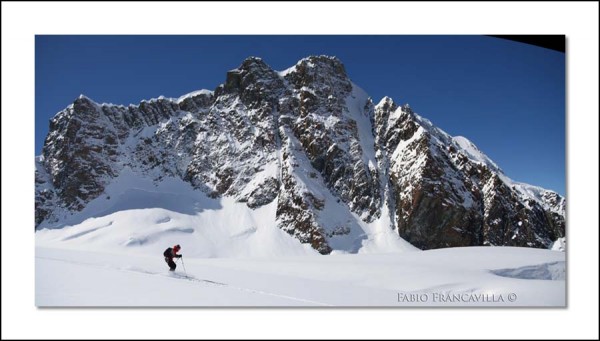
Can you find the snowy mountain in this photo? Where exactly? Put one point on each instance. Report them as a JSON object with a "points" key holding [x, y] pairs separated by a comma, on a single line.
{"points": [[302, 152]]}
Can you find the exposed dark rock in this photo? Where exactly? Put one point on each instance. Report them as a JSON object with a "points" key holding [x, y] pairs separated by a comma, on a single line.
{"points": [[289, 137]]}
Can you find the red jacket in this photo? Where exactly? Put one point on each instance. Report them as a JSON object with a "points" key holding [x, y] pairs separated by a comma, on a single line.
{"points": [[171, 253]]}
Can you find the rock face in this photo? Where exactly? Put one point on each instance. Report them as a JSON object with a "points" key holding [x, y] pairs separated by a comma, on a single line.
{"points": [[447, 193], [309, 139]]}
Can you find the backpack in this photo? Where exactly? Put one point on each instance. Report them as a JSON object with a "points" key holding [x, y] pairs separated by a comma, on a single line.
{"points": [[168, 253]]}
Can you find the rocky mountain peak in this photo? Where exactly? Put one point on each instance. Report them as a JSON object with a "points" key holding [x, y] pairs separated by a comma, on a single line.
{"points": [[324, 63], [320, 72], [84, 98], [253, 62], [84, 104], [252, 68], [254, 81], [307, 140], [386, 104]]}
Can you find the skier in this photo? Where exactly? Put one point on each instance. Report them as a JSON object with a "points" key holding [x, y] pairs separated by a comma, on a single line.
{"points": [[171, 253]]}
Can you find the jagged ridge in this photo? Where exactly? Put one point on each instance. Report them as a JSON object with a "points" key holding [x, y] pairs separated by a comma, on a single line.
{"points": [[338, 165]]}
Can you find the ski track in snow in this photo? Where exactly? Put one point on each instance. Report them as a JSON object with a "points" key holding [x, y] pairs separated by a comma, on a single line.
{"points": [[178, 276], [83, 277]]}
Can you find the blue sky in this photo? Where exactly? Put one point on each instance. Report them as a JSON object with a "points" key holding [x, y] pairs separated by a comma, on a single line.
{"points": [[506, 97]]}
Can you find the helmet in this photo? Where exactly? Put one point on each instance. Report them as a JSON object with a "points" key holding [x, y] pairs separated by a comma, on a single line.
{"points": [[177, 247]]}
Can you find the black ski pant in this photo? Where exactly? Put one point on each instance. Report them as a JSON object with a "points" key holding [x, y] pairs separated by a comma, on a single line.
{"points": [[172, 265]]}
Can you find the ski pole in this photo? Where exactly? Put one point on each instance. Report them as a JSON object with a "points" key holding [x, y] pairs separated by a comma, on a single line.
{"points": [[183, 265]]}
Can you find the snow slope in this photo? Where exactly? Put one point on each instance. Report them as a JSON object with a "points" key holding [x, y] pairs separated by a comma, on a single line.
{"points": [[138, 215], [473, 276], [236, 256], [228, 230]]}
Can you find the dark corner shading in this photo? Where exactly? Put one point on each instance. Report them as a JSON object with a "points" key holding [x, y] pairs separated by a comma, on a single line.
{"points": [[554, 42]]}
